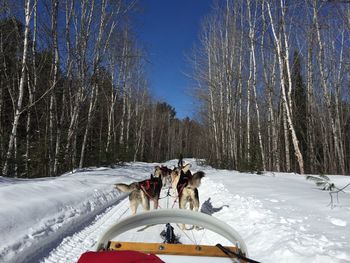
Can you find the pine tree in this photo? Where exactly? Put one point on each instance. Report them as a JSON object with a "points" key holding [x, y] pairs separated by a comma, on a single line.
{"points": [[299, 103]]}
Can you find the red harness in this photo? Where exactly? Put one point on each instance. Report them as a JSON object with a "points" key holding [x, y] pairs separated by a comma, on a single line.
{"points": [[183, 182], [151, 188]]}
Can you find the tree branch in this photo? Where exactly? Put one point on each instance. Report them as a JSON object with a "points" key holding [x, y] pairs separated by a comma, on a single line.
{"points": [[331, 204]]}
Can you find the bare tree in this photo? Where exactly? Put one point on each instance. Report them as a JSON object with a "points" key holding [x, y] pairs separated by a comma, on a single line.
{"points": [[28, 8], [281, 62], [326, 92]]}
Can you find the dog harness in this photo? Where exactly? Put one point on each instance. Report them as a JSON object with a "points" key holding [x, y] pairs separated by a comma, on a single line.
{"points": [[150, 187], [183, 182]]}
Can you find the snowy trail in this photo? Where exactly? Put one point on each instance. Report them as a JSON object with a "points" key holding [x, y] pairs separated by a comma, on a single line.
{"points": [[73, 246], [268, 236], [281, 217]]}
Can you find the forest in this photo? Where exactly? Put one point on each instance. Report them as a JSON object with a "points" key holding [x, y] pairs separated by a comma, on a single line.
{"points": [[272, 78]]}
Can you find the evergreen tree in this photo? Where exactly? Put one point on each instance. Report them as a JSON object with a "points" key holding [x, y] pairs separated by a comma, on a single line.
{"points": [[299, 103]]}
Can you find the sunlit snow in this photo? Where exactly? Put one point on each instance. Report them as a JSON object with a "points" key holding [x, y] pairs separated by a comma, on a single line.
{"points": [[282, 217]]}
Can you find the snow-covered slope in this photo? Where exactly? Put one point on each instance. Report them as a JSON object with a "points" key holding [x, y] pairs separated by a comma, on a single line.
{"points": [[282, 217]]}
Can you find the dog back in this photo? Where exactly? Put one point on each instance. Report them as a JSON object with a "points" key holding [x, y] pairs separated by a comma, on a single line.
{"points": [[151, 187], [184, 180], [125, 188]]}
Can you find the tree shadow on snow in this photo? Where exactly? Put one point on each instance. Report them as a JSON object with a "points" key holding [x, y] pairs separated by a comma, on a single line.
{"points": [[207, 207]]}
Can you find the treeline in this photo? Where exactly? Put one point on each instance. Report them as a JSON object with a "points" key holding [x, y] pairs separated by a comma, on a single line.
{"points": [[73, 90], [273, 77]]}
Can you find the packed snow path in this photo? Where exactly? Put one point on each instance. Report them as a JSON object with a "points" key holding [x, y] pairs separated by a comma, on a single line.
{"points": [[73, 246], [282, 217]]}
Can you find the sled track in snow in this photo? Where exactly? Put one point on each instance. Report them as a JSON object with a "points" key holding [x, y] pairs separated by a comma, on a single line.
{"points": [[73, 246], [76, 243], [265, 230], [56, 237]]}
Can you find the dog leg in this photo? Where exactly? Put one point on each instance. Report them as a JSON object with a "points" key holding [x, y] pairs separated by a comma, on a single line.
{"points": [[182, 205], [133, 207], [155, 203], [195, 204], [174, 184], [164, 180], [145, 201]]}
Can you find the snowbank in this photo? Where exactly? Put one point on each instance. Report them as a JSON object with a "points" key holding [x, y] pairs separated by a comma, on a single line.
{"points": [[282, 217]]}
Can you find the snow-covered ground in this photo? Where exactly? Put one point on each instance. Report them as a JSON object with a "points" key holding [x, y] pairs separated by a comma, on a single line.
{"points": [[282, 217]]}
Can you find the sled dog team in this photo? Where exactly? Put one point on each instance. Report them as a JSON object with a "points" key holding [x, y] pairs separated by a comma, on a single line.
{"points": [[184, 185]]}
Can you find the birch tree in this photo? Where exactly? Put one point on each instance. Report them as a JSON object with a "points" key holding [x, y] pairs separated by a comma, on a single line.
{"points": [[82, 22], [28, 8], [54, 79], [326, 90], [281, 62]]}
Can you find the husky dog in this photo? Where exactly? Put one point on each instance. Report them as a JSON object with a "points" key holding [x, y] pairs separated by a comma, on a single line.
{"points": [[142, 192], [175, 175], [164, 173], [187, 189]]}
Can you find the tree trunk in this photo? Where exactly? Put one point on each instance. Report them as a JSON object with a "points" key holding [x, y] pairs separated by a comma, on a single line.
{"points": [[13, 134], [278, 44], [54, 79]]}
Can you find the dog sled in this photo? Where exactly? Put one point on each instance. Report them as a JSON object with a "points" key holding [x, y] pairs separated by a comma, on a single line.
{"points": [[109, 248]]}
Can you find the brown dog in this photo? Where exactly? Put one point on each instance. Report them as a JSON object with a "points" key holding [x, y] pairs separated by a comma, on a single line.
{"points": [[164, 173], [142, 192], [175, 175], [187, 190]]}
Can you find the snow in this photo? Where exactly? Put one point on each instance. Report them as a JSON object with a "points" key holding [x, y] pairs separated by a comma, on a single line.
{"points": [[282, 217]]}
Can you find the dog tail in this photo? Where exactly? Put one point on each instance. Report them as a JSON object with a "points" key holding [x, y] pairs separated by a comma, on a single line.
{"points": [[196, 179], [199, 175], [126, 188]]}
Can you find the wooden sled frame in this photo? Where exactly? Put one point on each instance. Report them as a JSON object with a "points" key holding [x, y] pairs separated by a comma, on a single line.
{"points": [[163, 216], [170, 249]]}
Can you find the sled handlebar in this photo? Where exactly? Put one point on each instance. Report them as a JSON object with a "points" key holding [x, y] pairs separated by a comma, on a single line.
{"points": [[180, 216]]}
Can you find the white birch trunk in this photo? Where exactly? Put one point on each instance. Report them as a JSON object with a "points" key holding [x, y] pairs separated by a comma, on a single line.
{"points": [[278, 43], [31, 92], [252, 22], [13, 134], [326, 89], [98, 53], [82, 38], [211, 111], [286, 136], [54, 78], [139, 132]]}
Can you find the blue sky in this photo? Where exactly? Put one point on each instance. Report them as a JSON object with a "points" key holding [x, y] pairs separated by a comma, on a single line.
{"points": [[168, 30]]}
